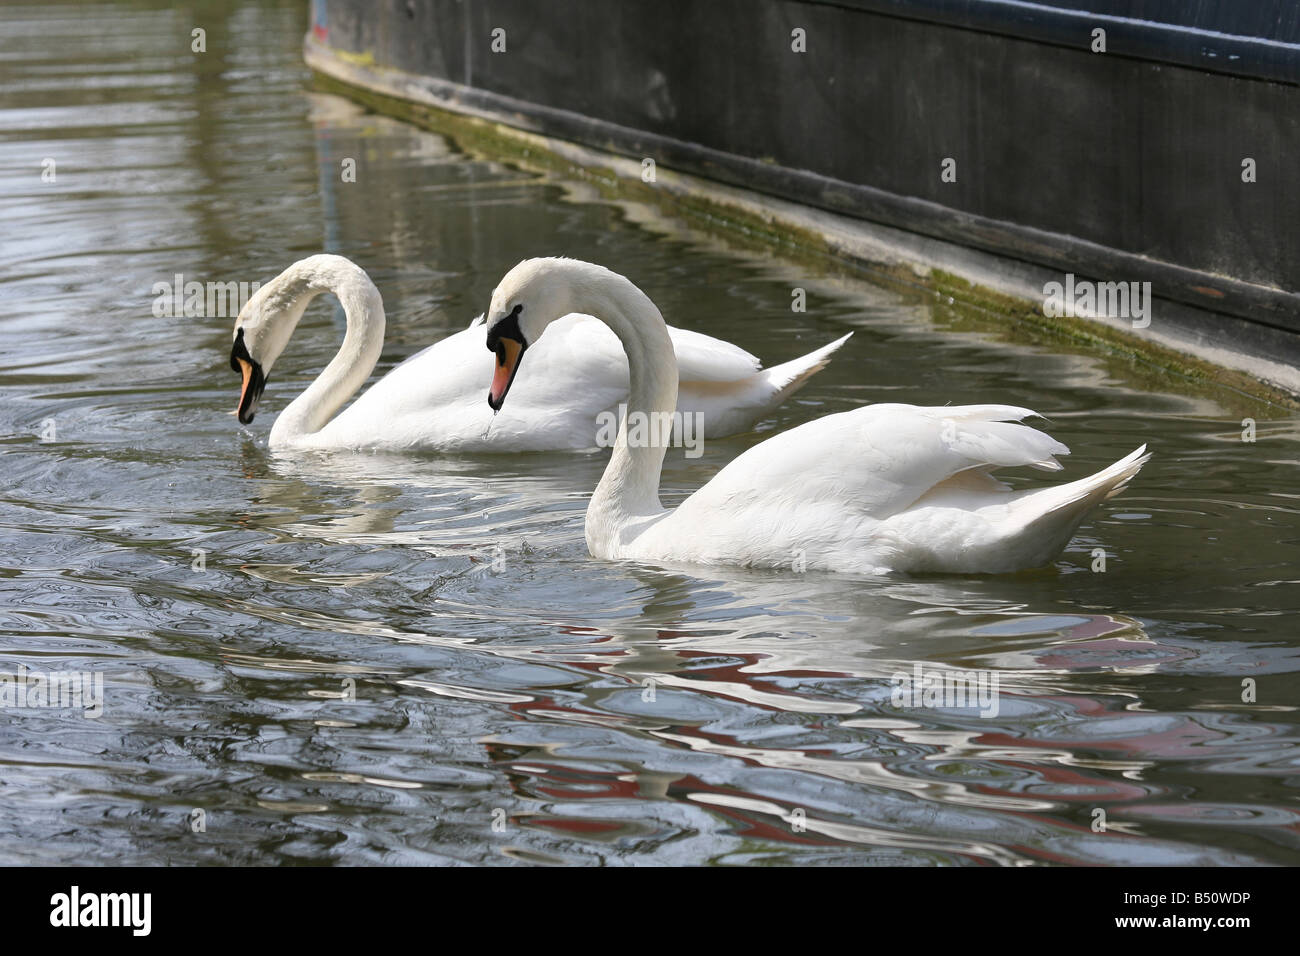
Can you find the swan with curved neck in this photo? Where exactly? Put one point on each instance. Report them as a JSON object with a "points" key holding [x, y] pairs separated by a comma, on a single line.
{"points": [[880, 488], [269, 319], [433, 399]]}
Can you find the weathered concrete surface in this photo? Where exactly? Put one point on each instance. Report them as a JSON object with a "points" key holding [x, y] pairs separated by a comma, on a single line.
{"points": [[1240, 353]]}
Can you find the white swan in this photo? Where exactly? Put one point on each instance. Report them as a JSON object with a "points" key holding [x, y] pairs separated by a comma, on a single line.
{"points": [[434, 400], [885, 487]]}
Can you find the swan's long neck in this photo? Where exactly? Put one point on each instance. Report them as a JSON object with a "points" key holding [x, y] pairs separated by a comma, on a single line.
{"points": [[362, 344], [628, 492]]}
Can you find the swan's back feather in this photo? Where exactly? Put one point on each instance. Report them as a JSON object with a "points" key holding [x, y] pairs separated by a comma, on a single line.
{"points": [[887, 486], [702, 358], [437, 398], [876, 461]]}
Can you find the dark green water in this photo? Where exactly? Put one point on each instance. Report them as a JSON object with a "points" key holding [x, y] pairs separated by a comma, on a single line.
{"points": [[500, 675]]}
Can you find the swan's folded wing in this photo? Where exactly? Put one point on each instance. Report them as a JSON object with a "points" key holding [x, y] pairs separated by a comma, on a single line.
{"points": [[702, 358], [872, 462], [577, 369], [437, 398]]}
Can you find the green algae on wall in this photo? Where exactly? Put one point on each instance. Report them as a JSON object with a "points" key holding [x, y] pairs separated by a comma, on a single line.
{"points": [[955, 302]]}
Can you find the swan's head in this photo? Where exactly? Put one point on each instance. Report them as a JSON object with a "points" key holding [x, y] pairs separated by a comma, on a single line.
{"points": [[261, 333], [531, 296], [262, 330], [254, 378]]}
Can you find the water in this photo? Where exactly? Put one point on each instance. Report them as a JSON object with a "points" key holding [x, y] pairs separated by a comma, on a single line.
{"points": [[502, 679]]}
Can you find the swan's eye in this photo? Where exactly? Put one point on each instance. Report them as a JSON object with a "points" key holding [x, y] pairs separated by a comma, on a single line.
{"points": [[506, 329]]}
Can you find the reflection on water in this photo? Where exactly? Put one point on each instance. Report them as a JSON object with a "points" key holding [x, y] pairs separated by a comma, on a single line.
{"points": [[368, 658]]}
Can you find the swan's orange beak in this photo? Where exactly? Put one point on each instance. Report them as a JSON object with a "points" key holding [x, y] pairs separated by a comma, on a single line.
{"points": [[249, 393], [254, 381], [509, 354]]}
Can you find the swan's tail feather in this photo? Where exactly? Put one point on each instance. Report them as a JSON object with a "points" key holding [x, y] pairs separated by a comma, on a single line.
{"points": [[1126, 470], [733, 407], [1105, 484], [1047, 518], [787, 378]]}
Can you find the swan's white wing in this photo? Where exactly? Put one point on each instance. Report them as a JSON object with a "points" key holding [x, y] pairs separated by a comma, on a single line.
{"points": [[831, 480], [702, 358], [878, 460], [437, 398]]}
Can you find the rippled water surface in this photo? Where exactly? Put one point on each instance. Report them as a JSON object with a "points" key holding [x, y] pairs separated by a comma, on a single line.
{"points": [[516, 700]]}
